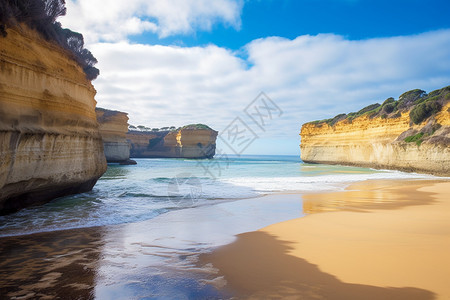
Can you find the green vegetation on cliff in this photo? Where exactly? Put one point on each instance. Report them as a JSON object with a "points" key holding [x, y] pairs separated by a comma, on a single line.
{"points": [[417, 138], [142, 128], [420, 105], [41, 15], [196, 126]]}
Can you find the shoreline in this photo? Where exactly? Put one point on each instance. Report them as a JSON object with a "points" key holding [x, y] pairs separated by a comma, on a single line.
{"points": [[131, 259], [340, 187], [153, 257], [376, 240]]}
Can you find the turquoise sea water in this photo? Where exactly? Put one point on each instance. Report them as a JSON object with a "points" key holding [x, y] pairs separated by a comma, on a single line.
{"points": [[151, 223], [127, 194]]}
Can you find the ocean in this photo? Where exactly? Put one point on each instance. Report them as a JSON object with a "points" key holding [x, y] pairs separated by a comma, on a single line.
{"points": [[136, 193]]}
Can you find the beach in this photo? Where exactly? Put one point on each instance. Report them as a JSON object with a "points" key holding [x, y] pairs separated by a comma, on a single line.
{"points": [[225, 149], [154, 258], [376, 240]]}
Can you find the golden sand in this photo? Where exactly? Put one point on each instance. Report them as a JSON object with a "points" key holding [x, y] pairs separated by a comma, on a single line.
{"points": [[377, 240]]}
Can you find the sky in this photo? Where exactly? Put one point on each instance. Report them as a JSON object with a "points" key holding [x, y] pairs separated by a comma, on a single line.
{"points": [[260, 68]]}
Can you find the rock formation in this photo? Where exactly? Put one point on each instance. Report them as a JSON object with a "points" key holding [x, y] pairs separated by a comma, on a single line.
{"points": [[49, 140], [411, 134], [113, 126], [192, 141]]}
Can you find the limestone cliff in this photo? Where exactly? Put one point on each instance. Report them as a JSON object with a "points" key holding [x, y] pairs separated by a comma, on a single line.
{"points": [[49, 140], [411, 134], [192, 141], [113, 129]]}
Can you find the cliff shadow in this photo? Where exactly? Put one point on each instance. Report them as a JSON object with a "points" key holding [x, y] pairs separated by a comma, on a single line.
{"points": [[257, 266]]}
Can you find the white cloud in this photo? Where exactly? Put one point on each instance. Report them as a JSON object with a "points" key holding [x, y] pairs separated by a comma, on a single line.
{"points": [[114, 21], [310, 77]]}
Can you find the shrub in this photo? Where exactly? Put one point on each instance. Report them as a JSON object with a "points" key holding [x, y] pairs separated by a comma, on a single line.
{"points": [[368, 108], [417, 138], [336, 119], [196, 126], [41, 15], [407, 99], [419, 104], [424, 110], [388, 108], [388, 100]]}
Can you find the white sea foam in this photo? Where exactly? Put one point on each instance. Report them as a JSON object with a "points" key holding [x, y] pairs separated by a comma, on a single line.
{"points": [[127, 194], [316, 183]]}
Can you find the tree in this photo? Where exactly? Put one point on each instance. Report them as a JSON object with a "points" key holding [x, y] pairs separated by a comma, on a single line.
{"points": [[41, 15]]}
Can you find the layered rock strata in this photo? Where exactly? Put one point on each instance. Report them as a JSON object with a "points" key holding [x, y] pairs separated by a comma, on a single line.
{"points": [[113, 126], [50, 145], [384, 141], [191, 141]]}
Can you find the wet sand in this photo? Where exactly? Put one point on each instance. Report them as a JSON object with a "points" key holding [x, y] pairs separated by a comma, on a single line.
{"points": [[377, 240], [154, 259], [50, 265]]}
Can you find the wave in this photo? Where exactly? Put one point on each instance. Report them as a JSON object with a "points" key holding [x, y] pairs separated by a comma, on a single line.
{"points": [[127, 195], [316, 183]]}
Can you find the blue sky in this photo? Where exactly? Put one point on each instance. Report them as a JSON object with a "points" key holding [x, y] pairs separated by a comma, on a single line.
{"points": [[354, 19], [175, 62]]}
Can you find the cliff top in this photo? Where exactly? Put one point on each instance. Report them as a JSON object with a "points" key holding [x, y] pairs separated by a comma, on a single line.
{"points": [[144, 129], [421, 106], [197, 127], [41, 15], [108, 113]]}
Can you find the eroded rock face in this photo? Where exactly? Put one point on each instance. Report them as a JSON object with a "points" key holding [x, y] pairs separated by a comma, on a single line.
{"points": [[182, 143], [113, 129], [49, 140], [382, 142]]}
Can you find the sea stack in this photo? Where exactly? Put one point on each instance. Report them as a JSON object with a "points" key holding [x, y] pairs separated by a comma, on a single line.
{"points": [[191, 141], [411, 134], [50, 145], [113, 128]]}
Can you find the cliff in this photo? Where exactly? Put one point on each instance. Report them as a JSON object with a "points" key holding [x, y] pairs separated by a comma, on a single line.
{"points": [[49, 140], [113, 127], [192, 141], [411, 134]]}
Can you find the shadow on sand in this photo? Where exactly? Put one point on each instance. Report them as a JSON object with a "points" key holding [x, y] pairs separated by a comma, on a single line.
{"points": [[257, 265]]}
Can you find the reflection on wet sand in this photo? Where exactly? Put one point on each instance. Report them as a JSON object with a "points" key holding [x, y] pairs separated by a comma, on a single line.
{"points": [[376, 194], [137, 262], [47, 265], [99, 263], [158, 257], [154, 258]]}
